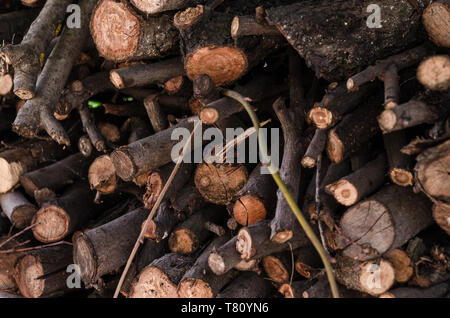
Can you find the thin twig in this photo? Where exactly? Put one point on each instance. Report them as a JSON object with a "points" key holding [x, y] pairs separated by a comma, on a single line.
{"points": [[18, 233], [154, 209], [34, 248], [317, 205]]}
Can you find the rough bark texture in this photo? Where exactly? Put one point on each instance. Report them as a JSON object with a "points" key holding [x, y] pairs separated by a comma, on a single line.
{"points": [[17, 209], [161, 226], [436, 291], [315, 148], [224, 258]]}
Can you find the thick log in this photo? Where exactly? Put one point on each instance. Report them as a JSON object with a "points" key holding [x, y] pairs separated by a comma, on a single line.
{"points": [[436, 291], [219, 183], [102, 175], [431, 172], [436, 19], [120, 34], [384, 221], [42, 272], [441, 214], [23, 158], [60, 217], [335, 50], [434, 72], [189, 235], [160, 279], [158, 118], [357, 185], [255, 200], [93, 250], [400, 165], [247, 285], [17, 209], [372, 277], [139, 75], [354, 131], [154, 7], [25, 57], [199, 281], [57, 175], [315, 148], [38, 112]]}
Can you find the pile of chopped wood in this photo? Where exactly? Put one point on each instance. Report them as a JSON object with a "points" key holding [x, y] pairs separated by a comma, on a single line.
{"points": [[92, 91]]}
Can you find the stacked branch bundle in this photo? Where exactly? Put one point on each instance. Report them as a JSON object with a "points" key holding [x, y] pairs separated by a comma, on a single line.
{"points": [[89, 125]]}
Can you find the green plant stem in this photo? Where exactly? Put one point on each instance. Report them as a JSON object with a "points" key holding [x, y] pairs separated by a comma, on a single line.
{"points": [[287, 195]]}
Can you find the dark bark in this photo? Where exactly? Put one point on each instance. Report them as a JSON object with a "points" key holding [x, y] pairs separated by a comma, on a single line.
{"points": [[158, 118], [188, 200], [436, 291], [17, 209], [400, 165], [161, 226], [248, 25], [13, 25], [247, 285], [224, 258], [315, 148]]}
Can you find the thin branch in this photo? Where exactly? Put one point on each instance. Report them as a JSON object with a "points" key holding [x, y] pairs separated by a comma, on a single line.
{"points": [[18, 233], [34, 248]]}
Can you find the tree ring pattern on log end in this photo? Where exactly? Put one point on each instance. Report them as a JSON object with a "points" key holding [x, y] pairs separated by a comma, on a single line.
{"points": [[115, 30], [376, 279], [224, 64], [434, 72], [30, 269], [387, 120], [436, 20], [123, 164], [321, 117], [401, 177], [183, 241], [53, 224], [248, 210], [244, 244], [344, 192], [153, 283], [188, 17], [194, 288], [84, 256], [208, 115]]}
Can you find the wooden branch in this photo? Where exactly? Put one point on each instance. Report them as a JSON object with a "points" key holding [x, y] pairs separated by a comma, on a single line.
{"points": [[247, 25], [441, 214], [400, 165], [307, 260], [102, 175], [315, 148], [161, 226], [17, 209], [155, 113], [188, 200]]}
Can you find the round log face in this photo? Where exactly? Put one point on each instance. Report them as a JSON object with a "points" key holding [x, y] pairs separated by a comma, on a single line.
{"points": [[123, 164], [275, 269], [84, 257], [9, 174], [216, 263], [115, 30], [194, 288], [321, 117], [344, 192], [223, 64], [401, 177], [249, 210], [376, 279], [183, 241], [153, 283], [102, 175], [436, 19], [53, 224], [434, 73], [244, 244], [30, 269], [286, 291]]}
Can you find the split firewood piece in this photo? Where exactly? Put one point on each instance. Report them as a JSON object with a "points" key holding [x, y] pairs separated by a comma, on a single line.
{"points": [[148, 153], [315, 148], [139, 75], [121, 34], [357, 185], [62, 216], [436, 291], [16, 161], [210, 49], [384, 221], [247, 285], [26, 56], [400, 164], [401, 263], [188, 200], [57, 175], [91, 129], [219, 183], [158, 178], [187, 237], [160, 279], [340, 54], [17, 209], [284, 223], [436, 19], [441, 214], [199, 281], [337, 102], [161, 226], [154, 7], [354, 131], [307, 260], [158, 118], [78, 93], [254, 241], [432, 172], [102, 175], [255, 201], [401, 61], [419, 110], [38, 112], [372, 277], [43, 272], [93, 250], [15, 24], [248, 25], [434, 72]]}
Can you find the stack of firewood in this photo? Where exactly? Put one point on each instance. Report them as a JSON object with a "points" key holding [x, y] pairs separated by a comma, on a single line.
{"points": [[86, 169]]}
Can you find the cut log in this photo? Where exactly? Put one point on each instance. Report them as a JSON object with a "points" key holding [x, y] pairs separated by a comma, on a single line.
{"points": [[247, 285], [205, 91], [89, 126], [315, 148], [102, 175], [441, 214], [247, 25], [154, 7], [224, 258], [160, 279], [432, 172], [17, 209], [61, 217], [219, 183], [139, 75], [190, 234], [93, 250], [42, 273], [436, 291], [149, 153], [199, 281], [279, 267], [334, 49], [354, 131], [120, 34], [17, 161], [57, 175], [384, 221], [434, 72], [400, 165], [371, 277], [38, 112], [25, 57], [401, 263], [357, 185], [85, 146], [161, 226], [307, 260], [436, 19], [155, 113], [255, 200]]}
